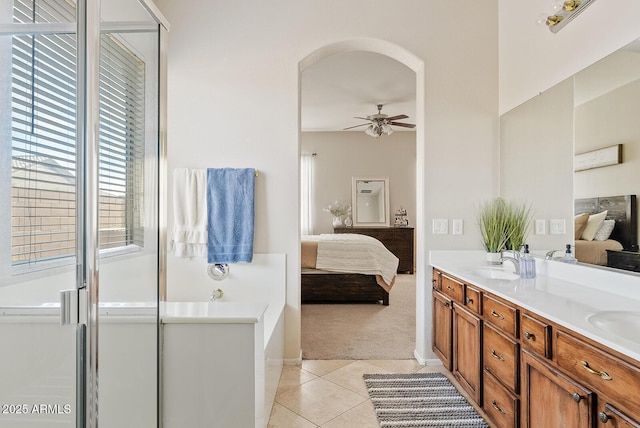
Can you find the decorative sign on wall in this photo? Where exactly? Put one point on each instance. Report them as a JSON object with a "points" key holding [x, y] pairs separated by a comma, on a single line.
{"points": [[611, 155]]}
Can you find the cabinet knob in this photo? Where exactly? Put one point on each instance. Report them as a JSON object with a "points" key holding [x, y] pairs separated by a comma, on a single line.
{"points": [[450, 288], [576, 397], [445, 304], [604, 418], [468, 300], [528, 335]]}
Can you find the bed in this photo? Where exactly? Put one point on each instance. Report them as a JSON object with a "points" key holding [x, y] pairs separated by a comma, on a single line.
{"points": [[621, 212], [346, 268]]}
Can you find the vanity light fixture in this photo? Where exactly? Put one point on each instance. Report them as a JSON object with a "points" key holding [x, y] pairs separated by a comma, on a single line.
{"points": [[563, 12]]}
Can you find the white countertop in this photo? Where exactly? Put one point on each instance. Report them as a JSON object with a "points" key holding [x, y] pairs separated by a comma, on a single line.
{"points": [[212, 312], [562, 293]]}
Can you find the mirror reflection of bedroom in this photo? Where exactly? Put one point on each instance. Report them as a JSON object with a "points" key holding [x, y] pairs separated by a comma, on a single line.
{"points": [[358, 205]]}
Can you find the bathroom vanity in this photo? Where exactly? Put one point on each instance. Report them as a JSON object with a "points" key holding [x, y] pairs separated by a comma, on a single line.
{"points": [[545, 352]]}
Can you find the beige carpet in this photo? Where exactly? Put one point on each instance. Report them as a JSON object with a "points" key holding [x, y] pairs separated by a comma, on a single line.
{"points": [[363, 331]]}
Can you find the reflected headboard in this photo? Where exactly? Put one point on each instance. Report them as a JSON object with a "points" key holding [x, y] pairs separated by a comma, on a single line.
{"points": [[622, 209]]}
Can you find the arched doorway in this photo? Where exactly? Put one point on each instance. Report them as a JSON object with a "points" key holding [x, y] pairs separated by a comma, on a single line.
{"points": [[415, 64]]}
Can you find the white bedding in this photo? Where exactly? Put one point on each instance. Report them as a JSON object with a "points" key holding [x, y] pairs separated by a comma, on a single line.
{"points": [[355, 253]]}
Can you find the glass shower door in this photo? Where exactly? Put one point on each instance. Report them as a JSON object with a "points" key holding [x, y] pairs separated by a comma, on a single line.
{"points": [[80, 161], [38, 225]]}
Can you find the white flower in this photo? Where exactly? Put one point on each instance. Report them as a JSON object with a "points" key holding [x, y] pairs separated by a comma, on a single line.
{"points": [[338, 209]]}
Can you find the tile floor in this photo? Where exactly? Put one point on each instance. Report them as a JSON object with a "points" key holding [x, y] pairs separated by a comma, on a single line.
{"points": [[332, 394]]}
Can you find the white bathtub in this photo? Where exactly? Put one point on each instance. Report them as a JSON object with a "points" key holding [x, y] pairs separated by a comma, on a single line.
{"points": [[243, 334], [39, 355]]}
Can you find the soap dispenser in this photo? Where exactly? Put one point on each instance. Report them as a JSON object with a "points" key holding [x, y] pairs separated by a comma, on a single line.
{"points": [[568, 257], [527, 264]]}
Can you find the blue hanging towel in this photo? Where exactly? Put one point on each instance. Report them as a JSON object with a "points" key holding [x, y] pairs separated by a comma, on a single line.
{"points": [[230, 210]]}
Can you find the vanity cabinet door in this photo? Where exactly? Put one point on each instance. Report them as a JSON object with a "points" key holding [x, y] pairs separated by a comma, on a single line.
{"points": [[441, 335], [467, 351], [610, 417], [551, 399], [535, 335]]}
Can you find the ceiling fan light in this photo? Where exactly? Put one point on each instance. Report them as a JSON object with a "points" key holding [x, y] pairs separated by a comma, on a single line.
{"points": [[371, 131], [387, 130]]}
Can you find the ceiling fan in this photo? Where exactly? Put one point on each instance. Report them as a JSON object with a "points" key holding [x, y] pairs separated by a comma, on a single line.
{"points": [[380, 124]]}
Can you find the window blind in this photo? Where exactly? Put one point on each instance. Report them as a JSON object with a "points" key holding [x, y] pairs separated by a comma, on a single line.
{"points": [[43, 206]]}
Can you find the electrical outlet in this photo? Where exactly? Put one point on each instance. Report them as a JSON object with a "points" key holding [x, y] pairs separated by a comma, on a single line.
{"points": [[457, 226], [541, 227], [440, 226], [557, 226]]}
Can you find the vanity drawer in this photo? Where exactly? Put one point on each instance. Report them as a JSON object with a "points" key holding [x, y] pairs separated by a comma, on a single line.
{"points": [[452, 288], [501, 357], [499, 404], [535, 335], [472, 299], [598, 369], [502, 315]]}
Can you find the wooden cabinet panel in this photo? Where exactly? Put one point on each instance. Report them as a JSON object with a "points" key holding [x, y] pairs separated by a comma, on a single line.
{"points": [[442, 329], [436, 279], [453, 288], [551, 399], [603, 372], [535, 335], [610, 417], [467, 353], [502, 315], [502, 407], [501, 357], [472, 299], [398, 240]]}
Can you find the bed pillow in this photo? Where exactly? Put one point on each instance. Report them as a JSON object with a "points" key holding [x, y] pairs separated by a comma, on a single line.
{"points": [[593, 224], [605, 230], [580, 222]]}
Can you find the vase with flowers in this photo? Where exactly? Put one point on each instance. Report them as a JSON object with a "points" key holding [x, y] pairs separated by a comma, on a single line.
{"points": [[339, 210]]}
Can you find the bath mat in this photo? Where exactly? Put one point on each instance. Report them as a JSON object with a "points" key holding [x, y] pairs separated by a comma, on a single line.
{"points": [[419, 400]]}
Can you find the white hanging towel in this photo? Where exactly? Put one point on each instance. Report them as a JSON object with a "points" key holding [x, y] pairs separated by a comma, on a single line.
{"points": [[189, 213]]}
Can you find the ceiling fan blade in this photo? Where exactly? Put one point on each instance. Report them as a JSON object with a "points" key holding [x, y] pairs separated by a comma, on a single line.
{"points": [[363, 118], [400, 116], [355, 126], [405, 125]]}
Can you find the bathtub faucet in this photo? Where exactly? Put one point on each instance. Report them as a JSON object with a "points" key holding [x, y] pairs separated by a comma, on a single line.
{"points": [[217, 293]]}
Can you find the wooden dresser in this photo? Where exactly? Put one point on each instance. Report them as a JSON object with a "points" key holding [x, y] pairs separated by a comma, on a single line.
{"points": [[398, 240]]}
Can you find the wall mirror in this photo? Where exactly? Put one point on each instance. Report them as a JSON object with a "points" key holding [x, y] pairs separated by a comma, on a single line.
{"points": [[370, 201], [603, 109]]}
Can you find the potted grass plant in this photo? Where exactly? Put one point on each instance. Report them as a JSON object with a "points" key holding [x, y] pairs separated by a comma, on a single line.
{"points": [[503, 226]]}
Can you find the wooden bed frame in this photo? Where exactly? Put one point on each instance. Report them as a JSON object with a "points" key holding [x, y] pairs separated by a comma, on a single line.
{"points": [[622, 209], [330, 287]]}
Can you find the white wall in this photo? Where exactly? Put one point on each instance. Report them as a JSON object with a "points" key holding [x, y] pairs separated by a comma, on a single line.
{"points": [[343, 155], [533, 59], [234, 101]]}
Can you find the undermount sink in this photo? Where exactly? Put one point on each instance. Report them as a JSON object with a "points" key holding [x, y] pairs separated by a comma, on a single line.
{"points": [[496, 273], [623, 324]]}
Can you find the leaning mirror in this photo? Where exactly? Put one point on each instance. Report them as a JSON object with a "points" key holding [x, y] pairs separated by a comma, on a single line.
{"points": [[370, 201]]}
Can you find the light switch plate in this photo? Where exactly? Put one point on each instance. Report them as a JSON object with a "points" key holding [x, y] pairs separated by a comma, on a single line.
{"points": [[541, 227], [457, 226], [557, 226], [440, 226]]}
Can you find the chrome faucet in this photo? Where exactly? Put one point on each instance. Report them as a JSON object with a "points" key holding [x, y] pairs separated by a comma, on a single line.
{"points": [[550, 254], [516, 263]]}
